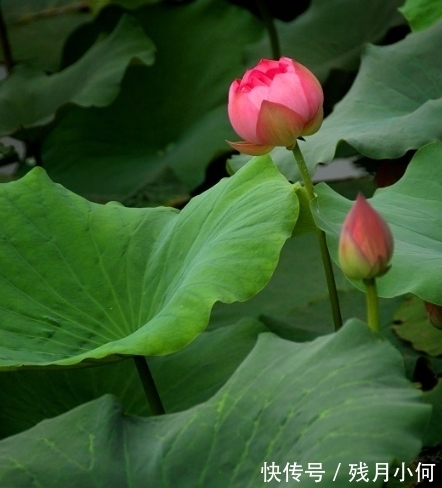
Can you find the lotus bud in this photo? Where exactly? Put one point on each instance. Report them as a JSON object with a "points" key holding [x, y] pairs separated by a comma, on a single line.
{"points": [[366, 243], [273, 104]]}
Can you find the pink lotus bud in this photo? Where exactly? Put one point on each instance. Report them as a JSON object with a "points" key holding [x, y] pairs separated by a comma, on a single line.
{"points": [[434, 313], [273, 104], [366, 243]]}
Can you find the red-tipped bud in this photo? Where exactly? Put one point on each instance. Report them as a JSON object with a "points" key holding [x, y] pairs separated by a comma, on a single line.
{"points": [[434, 313], [366, 243]]}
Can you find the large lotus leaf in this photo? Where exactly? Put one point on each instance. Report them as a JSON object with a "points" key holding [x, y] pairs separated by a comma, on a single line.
{"points": [[185, 378], [83, 280], [170, 118], [37, 30], [413, 209], [30, 98], [286, 403], [393, 106], [422, 13], [331, 35]]}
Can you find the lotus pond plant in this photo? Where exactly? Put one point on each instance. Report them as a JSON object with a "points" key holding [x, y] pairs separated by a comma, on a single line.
{"points": [[178, 310]]}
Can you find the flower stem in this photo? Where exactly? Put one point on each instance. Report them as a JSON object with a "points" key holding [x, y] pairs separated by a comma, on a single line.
{"points": [[325, 255], [371, 294], [270, 26], [308, 183], [150, 389]]}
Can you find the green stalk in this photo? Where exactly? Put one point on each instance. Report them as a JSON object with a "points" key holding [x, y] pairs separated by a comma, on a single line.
{"points": [[308, 183], [271, 29], [150, 389], [371, 294], [325, 255]]}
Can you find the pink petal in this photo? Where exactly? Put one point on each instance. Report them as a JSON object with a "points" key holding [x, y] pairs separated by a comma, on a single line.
{"points": [[258, 94], [243, 113], [314, 125], [311, 87], [254, 78], [278, 125], [267, 64], [287, 90], [288, 63], [249, 148]]}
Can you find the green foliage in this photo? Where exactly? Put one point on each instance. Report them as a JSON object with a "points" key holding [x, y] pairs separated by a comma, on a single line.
{"points": [[137, 281], [123, 104], [413, 209], [341, 29], [38, 29], [297, 282], [169, 121], [30, 98], [393, 105], [267, 412], [414, 327], [29, 396], [422, 13], [282, 158]]}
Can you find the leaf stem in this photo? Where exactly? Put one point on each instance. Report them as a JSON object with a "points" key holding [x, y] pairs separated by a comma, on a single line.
{"points": [[150, 389], [271, 29], [325, 255], [4, 41], [308, 183], [371, 294]]}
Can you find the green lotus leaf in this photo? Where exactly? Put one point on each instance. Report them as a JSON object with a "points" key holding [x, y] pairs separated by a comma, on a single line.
{"points": [[341, 30], [185, 378], [88, 281], [286, 403], [37, 30], [393, 106], [422, 13], [31, 98], [169, 121], [413, 209]]}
